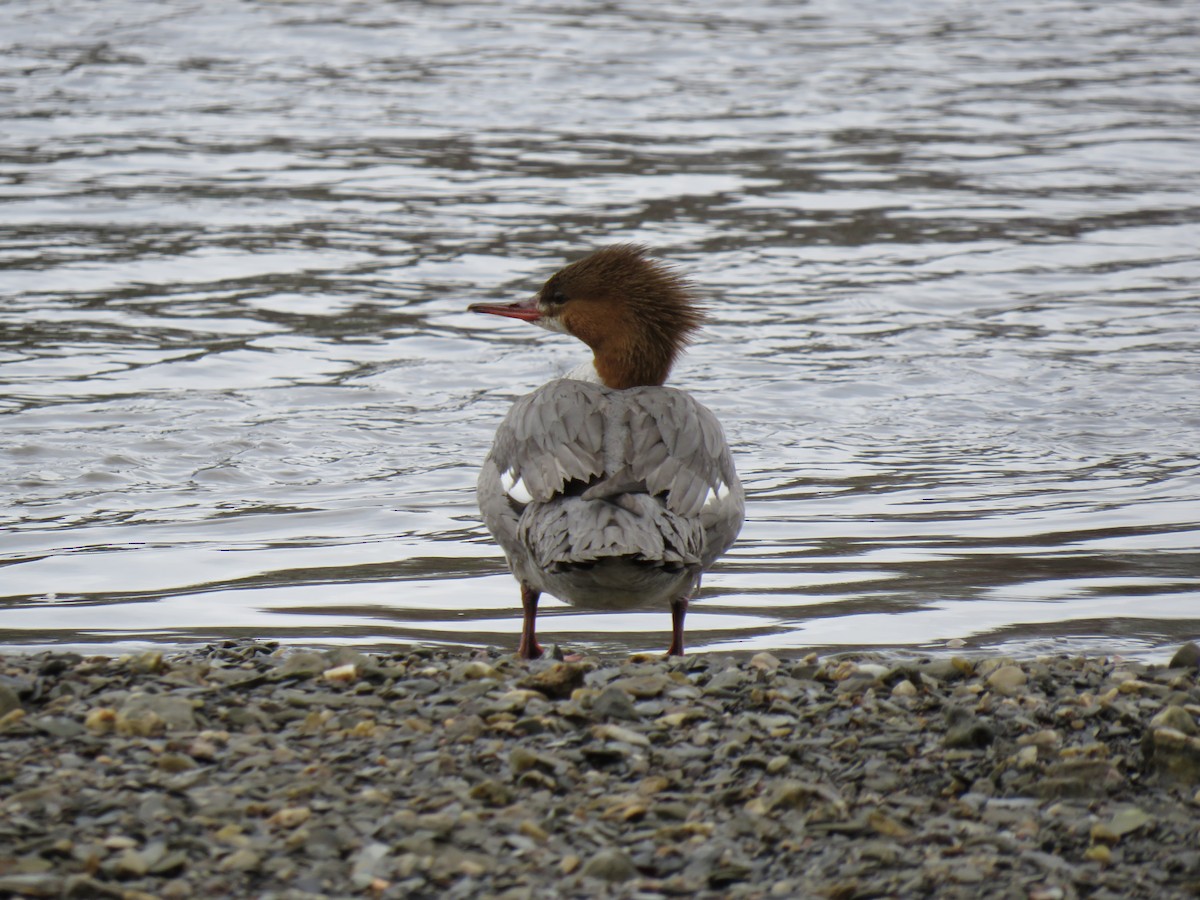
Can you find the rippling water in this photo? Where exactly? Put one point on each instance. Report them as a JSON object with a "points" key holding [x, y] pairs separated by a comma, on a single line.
{"points": [[953, 253]]}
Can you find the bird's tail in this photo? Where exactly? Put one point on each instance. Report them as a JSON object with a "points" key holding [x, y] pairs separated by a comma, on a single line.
{"points": [[606, 522]]}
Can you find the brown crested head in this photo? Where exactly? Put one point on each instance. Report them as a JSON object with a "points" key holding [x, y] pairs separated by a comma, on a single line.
{"points": [[635, 313]]}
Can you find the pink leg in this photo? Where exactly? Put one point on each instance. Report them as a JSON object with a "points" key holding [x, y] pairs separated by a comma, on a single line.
{"points": [[529, 648], [678, 611]]}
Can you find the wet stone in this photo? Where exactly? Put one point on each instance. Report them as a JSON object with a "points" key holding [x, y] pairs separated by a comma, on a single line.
{"points": [[1176, 753], [42, 884], [726, 681], [149, 714], [614, 703], [474, 670], [369, 864], [1007, 680], [557, 681], [58, 726], [943, 669], [1186, 657], [492, 792], [302, 664], [1175, 717], [8, 700], [1126, 820], [644, 687], [242, 860], [767, 662], [967, 731], [1078, 778], [610, 865], [150, 662]]}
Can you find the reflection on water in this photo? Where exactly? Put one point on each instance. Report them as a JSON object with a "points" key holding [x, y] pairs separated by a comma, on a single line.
{"points": [[951, 251]]}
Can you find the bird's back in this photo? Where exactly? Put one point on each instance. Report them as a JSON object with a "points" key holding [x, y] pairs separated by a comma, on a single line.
{"points": [[581, 476]]}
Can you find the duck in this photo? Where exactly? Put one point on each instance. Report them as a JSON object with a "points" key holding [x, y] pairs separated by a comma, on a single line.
{"points": [[604, 487]]}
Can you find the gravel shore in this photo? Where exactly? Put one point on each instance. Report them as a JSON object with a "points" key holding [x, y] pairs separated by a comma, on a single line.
{"points": [[241, 770]]}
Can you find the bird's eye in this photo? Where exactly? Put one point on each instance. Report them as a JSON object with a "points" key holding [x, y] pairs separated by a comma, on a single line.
{"points": [[556, 297]]}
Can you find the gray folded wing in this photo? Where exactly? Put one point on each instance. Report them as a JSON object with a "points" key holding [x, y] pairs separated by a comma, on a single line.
{"points": [[551, 437], [678, 448]]}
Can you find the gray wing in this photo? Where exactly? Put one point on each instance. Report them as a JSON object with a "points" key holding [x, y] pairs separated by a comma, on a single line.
{"points": [[552, 436], [677, 446]]}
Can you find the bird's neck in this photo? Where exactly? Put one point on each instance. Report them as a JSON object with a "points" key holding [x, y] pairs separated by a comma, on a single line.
{"points": [[631, 366], [631, 356], [623, 377]]}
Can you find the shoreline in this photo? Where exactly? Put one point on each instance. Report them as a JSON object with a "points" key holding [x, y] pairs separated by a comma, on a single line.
{"points": [[244, 769]]}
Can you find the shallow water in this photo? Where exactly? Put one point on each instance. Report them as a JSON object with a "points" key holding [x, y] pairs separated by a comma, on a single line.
{"points": [[952, 253]]}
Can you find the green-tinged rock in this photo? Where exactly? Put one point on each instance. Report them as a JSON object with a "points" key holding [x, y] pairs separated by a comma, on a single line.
{"points": [[150, 714], [1175, 717], [1175, 752], [32, 885], [242, 860], [726, 681], [613, 703], [1007, 680], [492, 792], [58, 726], [1186, 657], [944, 668], [966, 731], [1099, 853], [644, 687], [474, 671], [8, 700], [150, 662], [624, 735], [557, 681], [302, 664], [610, 865], [130, 864], [170, 863], [1078, 778], [986, 667], [1128, 820], [369, 864], [176, 762], [796, 794], [764, 661]]}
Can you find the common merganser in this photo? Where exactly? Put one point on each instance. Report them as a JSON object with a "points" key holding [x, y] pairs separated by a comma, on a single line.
{"points": [[604, 488]]}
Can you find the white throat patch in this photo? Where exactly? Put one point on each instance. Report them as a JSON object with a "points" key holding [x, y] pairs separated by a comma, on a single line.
{"points": [[585, 371], [552, 323]]}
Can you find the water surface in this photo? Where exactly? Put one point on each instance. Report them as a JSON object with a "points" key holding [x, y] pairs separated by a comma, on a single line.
{"points": [[952, 254]]}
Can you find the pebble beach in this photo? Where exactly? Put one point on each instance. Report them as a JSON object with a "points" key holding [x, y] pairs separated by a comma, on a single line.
{"points": [[246, 770]]}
